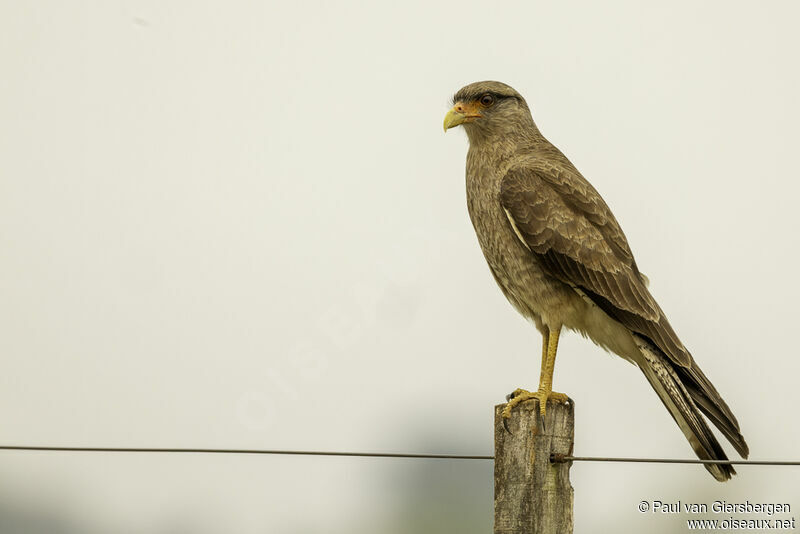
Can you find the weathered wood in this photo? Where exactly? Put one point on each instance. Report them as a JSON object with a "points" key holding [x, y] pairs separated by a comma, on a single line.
{"points": [[531, 494]]}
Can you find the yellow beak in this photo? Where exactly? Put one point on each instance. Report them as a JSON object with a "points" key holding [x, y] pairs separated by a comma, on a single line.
{"points": [[454, 118], [461, 113]]}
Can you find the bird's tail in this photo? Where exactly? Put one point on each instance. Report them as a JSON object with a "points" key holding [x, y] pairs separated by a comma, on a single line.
{"points": [[686, 392]]}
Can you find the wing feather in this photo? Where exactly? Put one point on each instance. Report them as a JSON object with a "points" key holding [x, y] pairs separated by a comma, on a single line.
{"points": [[562, 220]]}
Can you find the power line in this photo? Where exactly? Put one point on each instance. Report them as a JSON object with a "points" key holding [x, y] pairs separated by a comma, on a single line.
{"points": [[556, 458], [247, 451]]}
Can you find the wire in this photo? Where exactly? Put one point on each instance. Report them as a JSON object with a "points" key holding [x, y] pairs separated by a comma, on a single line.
{"points": [[555, 458], [560, 458], [247, 451]]}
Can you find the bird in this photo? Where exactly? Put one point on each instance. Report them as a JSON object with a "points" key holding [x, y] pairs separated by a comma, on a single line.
{"points": [[561, 259]]}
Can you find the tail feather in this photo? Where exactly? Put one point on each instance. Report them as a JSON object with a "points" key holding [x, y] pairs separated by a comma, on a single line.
{"points": [[686, 393], [710, 402]]}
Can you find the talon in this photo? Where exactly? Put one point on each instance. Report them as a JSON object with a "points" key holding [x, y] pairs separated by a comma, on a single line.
{"points": [[516, 393], [520, 395], [505, 425]]}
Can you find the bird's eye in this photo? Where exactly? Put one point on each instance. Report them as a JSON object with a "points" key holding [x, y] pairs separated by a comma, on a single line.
{"points": [[487, 100]]}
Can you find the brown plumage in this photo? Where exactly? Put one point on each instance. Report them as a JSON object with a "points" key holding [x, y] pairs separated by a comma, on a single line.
{"points": [[560, 257]]}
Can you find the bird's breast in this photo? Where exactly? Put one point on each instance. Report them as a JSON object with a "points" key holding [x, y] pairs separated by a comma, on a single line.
{"points": [[516, 270]]}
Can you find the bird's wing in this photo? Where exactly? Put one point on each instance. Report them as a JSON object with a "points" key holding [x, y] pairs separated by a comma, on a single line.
{"points": [[562, 220]]}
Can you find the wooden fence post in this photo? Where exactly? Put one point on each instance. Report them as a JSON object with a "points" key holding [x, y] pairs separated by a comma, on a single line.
{"points": [[531, 494]]}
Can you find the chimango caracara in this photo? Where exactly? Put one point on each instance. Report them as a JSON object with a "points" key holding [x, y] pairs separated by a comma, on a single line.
{"points": [[561, 259]]}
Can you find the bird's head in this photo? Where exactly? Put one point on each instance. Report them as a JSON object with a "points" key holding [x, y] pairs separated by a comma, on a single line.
{"points": [[488, 108]]}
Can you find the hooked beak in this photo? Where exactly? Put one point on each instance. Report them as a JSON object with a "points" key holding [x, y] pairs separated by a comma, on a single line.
{"points": [[459, 114]]}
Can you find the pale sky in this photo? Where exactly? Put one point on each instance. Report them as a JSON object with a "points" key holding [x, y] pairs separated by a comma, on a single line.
{"points": [[239, 224]]}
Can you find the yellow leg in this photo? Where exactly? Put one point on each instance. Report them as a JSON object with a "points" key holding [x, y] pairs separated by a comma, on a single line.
{"points": [[545, 391], [545, 344]]}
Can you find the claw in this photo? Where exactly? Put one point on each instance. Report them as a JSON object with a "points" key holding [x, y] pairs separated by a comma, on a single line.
{"points": [[521, 395], [543, 412], [505, 425]]}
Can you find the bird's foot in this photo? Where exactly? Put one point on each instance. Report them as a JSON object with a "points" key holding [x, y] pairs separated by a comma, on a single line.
{"points": [[521, 395]]}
